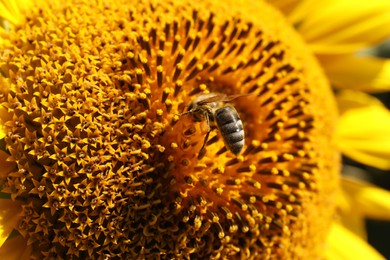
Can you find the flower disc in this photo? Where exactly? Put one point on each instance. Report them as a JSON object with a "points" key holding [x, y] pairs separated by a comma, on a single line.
{"points": [[106, 164]]}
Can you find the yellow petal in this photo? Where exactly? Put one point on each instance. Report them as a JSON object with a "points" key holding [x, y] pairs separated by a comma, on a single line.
{"points": [[345, 26], [360, 73], [15, 249], [295, 10], [372, 201], [5, 13], [363, 132], [343, 244], [353, 218], [12, 10], [8, 218]]}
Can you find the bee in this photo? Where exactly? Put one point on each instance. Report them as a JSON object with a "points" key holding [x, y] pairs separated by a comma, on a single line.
{"points": [[213, 108]]}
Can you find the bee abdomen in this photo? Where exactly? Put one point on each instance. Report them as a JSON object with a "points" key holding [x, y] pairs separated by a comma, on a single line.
{"points": [[231, 128]]}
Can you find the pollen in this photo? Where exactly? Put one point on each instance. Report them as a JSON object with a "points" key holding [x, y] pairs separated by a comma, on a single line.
{"points": [[108, 164]]}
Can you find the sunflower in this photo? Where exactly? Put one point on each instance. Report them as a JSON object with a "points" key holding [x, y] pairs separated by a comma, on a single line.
{"points": [[100, 159]]}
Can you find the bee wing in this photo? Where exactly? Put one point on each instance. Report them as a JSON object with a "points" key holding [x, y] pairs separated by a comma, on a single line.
{"points": [[232, 97], [218, 97]]}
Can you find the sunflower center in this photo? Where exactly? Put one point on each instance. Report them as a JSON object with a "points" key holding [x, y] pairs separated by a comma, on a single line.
{"points": [[106, 163]]}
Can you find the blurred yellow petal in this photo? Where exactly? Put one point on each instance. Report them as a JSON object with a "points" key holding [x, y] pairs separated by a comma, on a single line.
{"points": [[349, 99], [6, 167], [360, 73], [11, 11], [355, 223], [15, 249], [374, 202], [295, 10], [364, 129], [343, 244], [5, 13], [4, 115], [8, 211], [337, 27], [350, 215], [353, 219]]}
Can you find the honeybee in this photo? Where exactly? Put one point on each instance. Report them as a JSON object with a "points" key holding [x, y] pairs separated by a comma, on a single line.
{"points": [[213, 108]]}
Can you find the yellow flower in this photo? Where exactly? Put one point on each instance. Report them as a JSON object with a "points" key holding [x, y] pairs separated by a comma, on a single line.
{"points": [[99, 162]]}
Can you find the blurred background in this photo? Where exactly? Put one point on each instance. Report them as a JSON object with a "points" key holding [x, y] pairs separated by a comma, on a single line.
{"points": [[377, 231]]}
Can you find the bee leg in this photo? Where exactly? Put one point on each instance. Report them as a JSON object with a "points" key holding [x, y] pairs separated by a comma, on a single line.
{"points": [[202, 151]]}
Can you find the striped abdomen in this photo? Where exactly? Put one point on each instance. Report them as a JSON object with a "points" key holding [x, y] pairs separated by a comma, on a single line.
{"points": [[230, 126]]}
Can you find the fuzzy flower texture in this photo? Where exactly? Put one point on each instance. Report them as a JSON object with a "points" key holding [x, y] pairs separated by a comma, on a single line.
{"points": [[101, 162]]}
